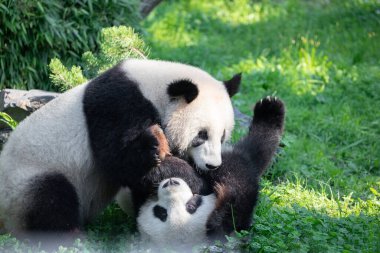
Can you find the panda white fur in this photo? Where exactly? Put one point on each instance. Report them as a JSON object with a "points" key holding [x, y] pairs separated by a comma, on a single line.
{"points": [[65, 162], [176, 216]]}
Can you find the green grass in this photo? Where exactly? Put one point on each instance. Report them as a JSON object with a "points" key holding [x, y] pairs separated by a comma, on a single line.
{"points": [[323, 59]]}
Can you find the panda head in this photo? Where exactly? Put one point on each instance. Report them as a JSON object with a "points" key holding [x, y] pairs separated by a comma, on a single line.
{"points": [[174, 191], [200, 118], [177, 216], [175, 196]]}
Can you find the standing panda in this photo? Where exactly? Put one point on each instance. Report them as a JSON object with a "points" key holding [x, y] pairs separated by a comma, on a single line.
{"points": [[176, 216], [65, 162]]}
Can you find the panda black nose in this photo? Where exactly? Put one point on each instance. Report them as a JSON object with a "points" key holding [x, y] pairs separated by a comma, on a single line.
{"points": [[170, 182], [173, 182], [211, 167]]}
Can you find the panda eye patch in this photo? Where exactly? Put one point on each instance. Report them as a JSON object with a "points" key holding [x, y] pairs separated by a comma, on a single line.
{"points": [[203, 135], [160, 213], [200, 138]]}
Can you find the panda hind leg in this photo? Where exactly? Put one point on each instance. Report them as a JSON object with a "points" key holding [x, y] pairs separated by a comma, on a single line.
{"points": [[53, 205]]}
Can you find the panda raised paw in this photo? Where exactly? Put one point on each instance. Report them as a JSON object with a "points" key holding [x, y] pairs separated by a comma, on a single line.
{"points": [[270, 111]]}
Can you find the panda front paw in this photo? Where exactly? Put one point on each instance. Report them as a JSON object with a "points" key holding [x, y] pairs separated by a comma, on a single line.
{"points": [[163, 148], [154, 147], [270, 111]]}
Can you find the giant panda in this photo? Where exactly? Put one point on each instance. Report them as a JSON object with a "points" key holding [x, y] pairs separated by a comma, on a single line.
{"points": [[177, 215], [64, 163]]}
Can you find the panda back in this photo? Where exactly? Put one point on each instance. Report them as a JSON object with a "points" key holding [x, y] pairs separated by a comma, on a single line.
{"points": [[52, 139]]}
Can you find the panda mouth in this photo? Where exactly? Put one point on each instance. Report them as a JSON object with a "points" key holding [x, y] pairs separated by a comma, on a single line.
{"points": [[191, 162]]}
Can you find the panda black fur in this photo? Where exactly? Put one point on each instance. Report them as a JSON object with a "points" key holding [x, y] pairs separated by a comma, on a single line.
{"points": [[65, 162], [235, 184]]}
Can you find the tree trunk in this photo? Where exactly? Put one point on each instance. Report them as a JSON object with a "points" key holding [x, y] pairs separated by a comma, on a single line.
{"points": [[146, 6]]}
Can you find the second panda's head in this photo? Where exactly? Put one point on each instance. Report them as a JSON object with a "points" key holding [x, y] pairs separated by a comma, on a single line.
{"points": [[200, 118], [175, 217]]}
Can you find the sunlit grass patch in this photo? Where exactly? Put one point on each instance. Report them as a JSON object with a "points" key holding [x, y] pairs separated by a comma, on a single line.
{"points": [[302, 68], [293, 218], [235, 13], [186, 25], [174, 31], [323, 199]]}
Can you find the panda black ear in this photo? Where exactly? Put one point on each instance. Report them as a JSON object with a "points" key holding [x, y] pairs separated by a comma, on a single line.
{"points": [[183, 88], [233, 84]]}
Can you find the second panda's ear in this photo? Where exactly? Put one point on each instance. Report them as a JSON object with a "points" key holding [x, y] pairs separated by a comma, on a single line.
{"points": [[183, 88], [233, 84]]}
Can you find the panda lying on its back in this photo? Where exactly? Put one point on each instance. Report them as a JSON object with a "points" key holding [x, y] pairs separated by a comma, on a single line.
{"points": [[64, 163], [178, 216], [175, 215]]}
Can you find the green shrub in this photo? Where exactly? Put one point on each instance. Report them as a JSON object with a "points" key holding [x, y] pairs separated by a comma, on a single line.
{"points": [[34, 31], [63, 78], [116, 43]]}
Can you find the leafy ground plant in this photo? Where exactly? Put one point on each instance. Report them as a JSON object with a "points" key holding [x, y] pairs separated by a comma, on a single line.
{"points": [[322, 58]]}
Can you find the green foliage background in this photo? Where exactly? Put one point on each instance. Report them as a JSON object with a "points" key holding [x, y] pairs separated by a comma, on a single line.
{"points": [[32, 32], [116, 44]]}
